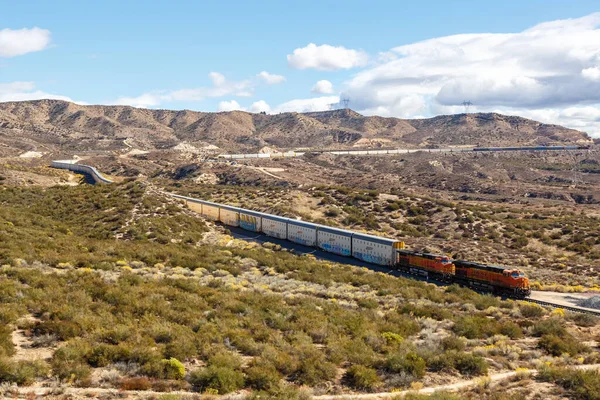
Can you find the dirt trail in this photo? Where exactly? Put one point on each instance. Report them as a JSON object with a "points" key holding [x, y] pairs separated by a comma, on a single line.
{"points": [[24, 351], [40, 390]]}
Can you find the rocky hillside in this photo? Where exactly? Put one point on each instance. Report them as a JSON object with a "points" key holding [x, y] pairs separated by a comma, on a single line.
{"points": [[51, 125]]}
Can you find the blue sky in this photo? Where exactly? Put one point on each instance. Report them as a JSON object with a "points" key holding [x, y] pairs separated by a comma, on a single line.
{"points": [[160, 55]]}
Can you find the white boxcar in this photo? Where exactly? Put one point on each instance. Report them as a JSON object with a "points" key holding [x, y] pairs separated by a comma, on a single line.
{"points": [[229, 215], [250, 220], [333, 240], [274, 226], [302, 232], [374, 249], [210, 211]]}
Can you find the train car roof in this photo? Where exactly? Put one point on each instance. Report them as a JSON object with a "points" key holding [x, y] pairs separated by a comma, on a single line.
{"points": [[274, 217], [230, 208], [336, 231], [250, 212], [302, 223], [373, 238], [470, 264]]}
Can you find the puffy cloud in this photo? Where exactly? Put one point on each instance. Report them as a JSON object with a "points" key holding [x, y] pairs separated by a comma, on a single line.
{"points": [[229, 106], [146, 100], [22, 41], [550, 66], [23, 91], [271, 79], [307, 105], [260, 106], [326, 57], [322, 87]]}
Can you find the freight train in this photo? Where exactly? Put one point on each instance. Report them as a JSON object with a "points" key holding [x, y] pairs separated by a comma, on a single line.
{"points": [[368, 248]]}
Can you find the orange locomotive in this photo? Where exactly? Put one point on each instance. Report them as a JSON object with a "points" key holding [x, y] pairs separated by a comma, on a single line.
{"points": [[426, 264], [492, 278]]}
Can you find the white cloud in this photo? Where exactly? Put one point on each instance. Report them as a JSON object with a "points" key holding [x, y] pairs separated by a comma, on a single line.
{"points": [[22, 41], [229, 106], [23, 91], [307, 105], [322, 87], [592, 73], [260, 106], [271, 79], [552, 66], [326, 57], [221, 87]]}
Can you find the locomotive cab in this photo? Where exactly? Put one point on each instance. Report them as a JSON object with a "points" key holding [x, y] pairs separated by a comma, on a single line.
{"points": [[518, 281]]}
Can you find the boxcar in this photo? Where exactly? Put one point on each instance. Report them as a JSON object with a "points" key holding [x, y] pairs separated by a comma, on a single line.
{"points": [[211, 211], [374, 249], [229, 215], [334, 240], [275, 226], [302, 232], [250, 220]]}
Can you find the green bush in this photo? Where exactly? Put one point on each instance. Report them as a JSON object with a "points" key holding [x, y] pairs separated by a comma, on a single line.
{"points": [[476, 327], [6, 345], [581, 384], [469, 364], [68, 362], [551, 326], [583, 319], [173, 369], [22, 373], [361, 377], [557, 346], [410, 363], [531, 310], [263, 376], [453, 343], [511, 330], [222, 379]]}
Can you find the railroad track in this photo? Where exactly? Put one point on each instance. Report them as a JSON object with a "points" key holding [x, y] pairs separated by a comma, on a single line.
{"points": [[570, 308]]}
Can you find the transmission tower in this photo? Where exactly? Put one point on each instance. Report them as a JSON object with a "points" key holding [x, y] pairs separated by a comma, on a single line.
{"points": [[466, 104], [346, 101]]}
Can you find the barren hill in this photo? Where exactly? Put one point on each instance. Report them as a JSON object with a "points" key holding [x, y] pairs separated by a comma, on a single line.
{"points": [[51, 125]]}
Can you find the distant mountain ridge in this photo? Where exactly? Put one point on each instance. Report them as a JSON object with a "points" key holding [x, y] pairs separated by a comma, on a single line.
{"points": [[55, 123]]}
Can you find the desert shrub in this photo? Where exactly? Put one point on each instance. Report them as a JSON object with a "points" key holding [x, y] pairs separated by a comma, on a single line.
{"points": [[511, 329], [441, 362], [222, 379], [136, 383], [531, 310], [453, 343], [583, 319], [476, 327], [6, 345], [22, 373], [68, 362], [429, 311], [173, 369], [581, 384], [361, 377], [551, 326], [469, 364], [314, 369], [262, 376], [282, 392], [410, 363], [557, 346]]}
